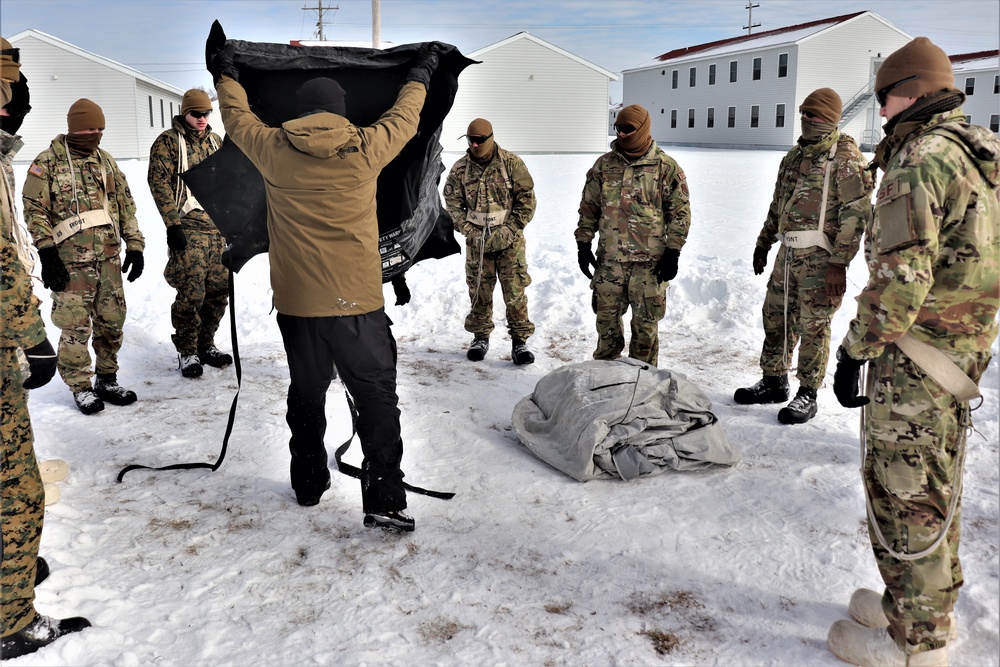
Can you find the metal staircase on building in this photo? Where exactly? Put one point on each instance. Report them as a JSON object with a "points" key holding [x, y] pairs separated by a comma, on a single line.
{"points": [[861, 100]]}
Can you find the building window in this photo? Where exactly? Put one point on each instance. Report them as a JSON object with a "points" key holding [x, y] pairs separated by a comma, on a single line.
{"points": [[732, 72], [690, 117], [996, 85], [163, 122], [779, 116], [694, 76], [732, 117], [171, 109], [710, 120], [711, 74], [782, 65], [151, 123], [673, 118], [970, 85], [673, 79], [756, 69], [995, 123], [754, 116]]}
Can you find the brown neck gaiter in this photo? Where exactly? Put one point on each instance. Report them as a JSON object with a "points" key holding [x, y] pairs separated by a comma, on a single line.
{"points": [[637, 144], [83, 145]]}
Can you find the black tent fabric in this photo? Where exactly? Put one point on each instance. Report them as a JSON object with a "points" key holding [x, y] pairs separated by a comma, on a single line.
{"points": [[413, 223]]}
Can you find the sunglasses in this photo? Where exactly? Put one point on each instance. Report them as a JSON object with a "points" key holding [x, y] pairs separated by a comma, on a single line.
{"points": [[477, 139], [14, 53], [882, 94], [199, 114], [624, 129]]}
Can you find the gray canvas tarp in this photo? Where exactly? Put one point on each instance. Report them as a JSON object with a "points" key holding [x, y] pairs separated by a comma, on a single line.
{"points": [[620, 419]]}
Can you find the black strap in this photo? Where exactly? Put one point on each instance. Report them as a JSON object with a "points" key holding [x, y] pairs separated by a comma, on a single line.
{"points": [[232, 410], [355, 472]]}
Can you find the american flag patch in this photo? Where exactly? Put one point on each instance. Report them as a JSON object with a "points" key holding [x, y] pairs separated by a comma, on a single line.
{"points": [[36, 170]]}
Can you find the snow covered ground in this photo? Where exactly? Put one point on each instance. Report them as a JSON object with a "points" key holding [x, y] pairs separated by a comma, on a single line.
{"points": [[525, 566]]}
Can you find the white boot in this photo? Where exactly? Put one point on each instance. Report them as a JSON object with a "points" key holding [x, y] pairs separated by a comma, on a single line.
{"points": [[873, 647], [866, 608], [51, 494], [53, 470]]}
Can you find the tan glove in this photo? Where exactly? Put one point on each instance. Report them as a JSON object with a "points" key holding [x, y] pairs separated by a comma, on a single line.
{"points": [[836, 280]]}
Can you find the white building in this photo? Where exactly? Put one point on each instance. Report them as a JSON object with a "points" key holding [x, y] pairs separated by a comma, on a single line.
{"points": [[539, 98], [745, 91], [978, 74], [136, 107]]}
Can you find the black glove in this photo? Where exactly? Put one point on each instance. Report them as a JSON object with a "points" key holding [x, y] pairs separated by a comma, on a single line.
{"points": [[402, 291], [423, 69], [666, 267], [586, 258], [759, 260], [219, 54], [847, 380], [175, 238], [18, 107], [42, 364], [54, 273], [133, 260]]}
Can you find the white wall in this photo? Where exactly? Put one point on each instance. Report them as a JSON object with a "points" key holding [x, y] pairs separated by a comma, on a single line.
{"points": [[984, 102]]}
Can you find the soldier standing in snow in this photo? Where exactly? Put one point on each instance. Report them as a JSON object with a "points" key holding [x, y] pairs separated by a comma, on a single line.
{"points": [[636, 200], [929, 310], [23, 630], [194, 264], [491, 197], [79, 209], [820, 209], [320, 173]]}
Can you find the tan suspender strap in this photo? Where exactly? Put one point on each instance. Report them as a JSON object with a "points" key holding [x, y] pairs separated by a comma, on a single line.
{"points": [[940, 368], [815, 237]]}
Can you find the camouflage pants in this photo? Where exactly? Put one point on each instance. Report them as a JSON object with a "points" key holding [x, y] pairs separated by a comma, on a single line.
{"points": [[93, 303], [202, 284], [617, 287], [913, 428], [810, 312], [22, 500], [510, 266]]}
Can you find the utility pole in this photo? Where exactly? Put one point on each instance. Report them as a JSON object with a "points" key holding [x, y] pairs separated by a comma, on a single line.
{"points": [[320, 11], [376, 25], [750, 24]]}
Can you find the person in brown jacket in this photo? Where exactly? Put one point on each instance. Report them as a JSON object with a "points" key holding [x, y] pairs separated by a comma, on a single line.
{"points": [[320, 174]]}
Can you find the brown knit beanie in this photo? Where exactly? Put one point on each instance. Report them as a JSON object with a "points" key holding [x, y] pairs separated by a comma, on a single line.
{"points": [[9, 69], [921, 59], [824, 103], [195, 100], [84, 115], [480, 127]]}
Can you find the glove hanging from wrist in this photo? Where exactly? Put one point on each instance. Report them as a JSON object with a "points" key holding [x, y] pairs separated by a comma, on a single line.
{"points": [[847, 380], [585, 258]]}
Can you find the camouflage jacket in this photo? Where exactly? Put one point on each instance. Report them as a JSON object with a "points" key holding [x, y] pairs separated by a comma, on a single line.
{"points": [[475, 187], [162, 174], [47, 197], [22, 324], [798, 195], [638, 208], [934, 255]]}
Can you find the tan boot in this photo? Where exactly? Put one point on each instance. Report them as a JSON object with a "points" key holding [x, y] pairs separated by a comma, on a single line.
{"points": [[53, 470], [866, 608], [873, 647], [51, 494]]}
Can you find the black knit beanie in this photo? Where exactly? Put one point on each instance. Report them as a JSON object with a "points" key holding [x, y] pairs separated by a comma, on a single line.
{"points": [[321, 94]]}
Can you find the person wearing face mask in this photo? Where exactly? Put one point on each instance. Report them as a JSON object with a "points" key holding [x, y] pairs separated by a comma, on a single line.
{"points": [[636, 200], [925, 325], [194, 263], [22, 498], [820, 209], [79, 210], [491, 198]]}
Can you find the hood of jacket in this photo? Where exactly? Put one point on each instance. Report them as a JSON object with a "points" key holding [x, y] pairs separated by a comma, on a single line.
{"points": [[322, 135], [982, 146]]}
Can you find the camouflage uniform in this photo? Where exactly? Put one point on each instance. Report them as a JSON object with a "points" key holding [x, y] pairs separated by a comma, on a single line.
{"points": [[196, 272], [638, 208], [501, 185], [23, 497], [799, 273], [934, 264], [94, 299]]}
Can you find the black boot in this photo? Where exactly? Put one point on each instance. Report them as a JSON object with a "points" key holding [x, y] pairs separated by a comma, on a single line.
{"points": [[802, 408], [769, 389], [190, 365], [520, 353], [42, 631], [214, 357], [478, 349], [108, 390], [88, 401]]}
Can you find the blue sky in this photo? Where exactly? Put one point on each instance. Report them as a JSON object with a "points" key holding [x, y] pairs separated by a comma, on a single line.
{"points": [[165, 38]]}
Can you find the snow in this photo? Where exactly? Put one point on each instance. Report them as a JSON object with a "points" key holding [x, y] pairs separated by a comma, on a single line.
{"points": [[525, 566]]}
